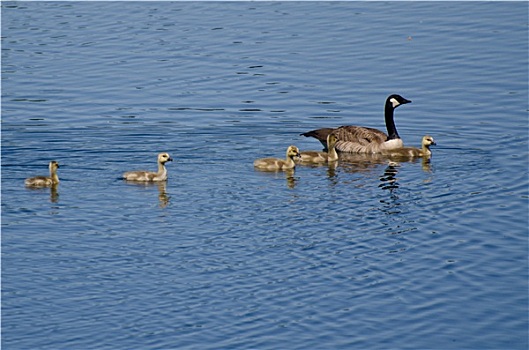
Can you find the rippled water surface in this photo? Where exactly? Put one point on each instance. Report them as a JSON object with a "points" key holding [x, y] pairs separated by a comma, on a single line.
{"points": [[369, 254]]}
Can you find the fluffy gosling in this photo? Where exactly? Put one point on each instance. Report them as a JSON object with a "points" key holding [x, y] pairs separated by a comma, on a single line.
{"points": [[276, 164], [424, 151], [148, 176], [322, 157], [45, 181]]}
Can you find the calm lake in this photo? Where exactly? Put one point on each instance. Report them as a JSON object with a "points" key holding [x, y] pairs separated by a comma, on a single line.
{"points": [[369, 254]]}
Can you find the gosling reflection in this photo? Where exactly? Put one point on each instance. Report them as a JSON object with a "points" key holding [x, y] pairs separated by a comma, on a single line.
{"points": [[331, 169], [360, 162], [289, 175], [426, 164], [54, 191], [290, 178], [163, 197]]}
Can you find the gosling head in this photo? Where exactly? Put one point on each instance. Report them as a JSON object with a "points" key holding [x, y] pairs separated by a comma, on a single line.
{"points": [[164, 158], [331, 140], [53, 166], [293, 151], [396, 100], [427, 141]]}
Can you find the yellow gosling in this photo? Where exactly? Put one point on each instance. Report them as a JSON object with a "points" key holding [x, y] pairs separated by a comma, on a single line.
{"points": [[424, 151], [45, 181], [148, 176], [316, 157], [276, 164]]}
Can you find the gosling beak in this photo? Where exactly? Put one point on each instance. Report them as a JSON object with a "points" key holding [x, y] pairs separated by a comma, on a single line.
{"points": [[170, 159]]}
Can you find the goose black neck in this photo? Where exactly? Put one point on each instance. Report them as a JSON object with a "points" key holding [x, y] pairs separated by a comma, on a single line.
{"points": [[390, 123]]}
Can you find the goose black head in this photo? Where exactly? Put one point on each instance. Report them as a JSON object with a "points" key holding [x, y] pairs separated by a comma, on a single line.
{"points": [[396, 100]]}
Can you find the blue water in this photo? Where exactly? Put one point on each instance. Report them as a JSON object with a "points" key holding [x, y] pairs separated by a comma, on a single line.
{"points": [[367, 255]]}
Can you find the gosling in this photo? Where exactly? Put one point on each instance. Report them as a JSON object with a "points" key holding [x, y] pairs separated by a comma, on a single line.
{"points": [[276, 164], [322, 157], [44, 181], [424, 151], [148, 176]]}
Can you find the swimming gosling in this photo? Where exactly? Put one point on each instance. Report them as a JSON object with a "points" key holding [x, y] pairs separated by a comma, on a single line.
{"points": [[148, 176], [322, 157], [276, 164], [44, 181], [424, 151]]}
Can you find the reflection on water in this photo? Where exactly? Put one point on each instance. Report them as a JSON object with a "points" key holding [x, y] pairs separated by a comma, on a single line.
{"points": [[54, 191], [391, 205], [291, 180], [331, 167], [390, 182], [355, 163], [163, 197], [425, 160], [389, 178], [358, 163], [361, 162]]}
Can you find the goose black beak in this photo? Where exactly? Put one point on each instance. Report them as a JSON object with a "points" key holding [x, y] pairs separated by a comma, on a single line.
{"points": [[170, 159], [405, 101]]}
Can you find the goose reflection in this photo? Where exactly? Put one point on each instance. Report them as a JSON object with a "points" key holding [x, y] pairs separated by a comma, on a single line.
{"points": [[391, 205], [389, 178]]}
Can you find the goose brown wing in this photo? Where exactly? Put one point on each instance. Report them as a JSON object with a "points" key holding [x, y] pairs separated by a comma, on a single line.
{"points": [[360, 135], [319, 134]]}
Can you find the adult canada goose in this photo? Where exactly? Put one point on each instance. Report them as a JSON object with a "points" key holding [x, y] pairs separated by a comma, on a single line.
{"points": [[276, 164], [424, 151], [44, 181], [148, 176], [322, 157], [358, 139]]}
